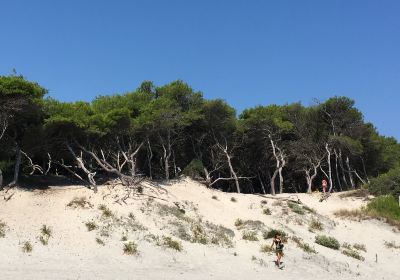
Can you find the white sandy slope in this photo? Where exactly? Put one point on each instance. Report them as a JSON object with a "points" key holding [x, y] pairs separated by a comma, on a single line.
{"points": [[72, 252]]}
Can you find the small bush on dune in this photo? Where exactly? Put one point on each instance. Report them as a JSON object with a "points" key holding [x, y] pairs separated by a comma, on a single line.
{"points": [[266, 249], [106, 212], [296, 208], [239, 223], [100, 241], [91, 225], [271, 233], [27, 247], [249, 224], [266, 211], [359, 246], [315, 225], [250, 236], [3, 227], [130, 248], [214, 197], [168, 242], [391, 245], [352, 253], [79, 202], [327, 241], [264, 202], [233, 199], [301, 244], [45, 230]]}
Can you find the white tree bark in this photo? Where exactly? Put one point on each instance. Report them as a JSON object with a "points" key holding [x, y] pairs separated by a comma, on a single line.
{"points": [[329, 167]]}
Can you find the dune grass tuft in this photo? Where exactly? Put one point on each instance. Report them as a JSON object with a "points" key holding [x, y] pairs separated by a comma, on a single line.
{"points": [[327, 241], [130, 248]]}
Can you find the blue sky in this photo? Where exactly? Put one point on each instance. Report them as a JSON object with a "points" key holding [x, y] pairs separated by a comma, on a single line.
{"points": [[247, 52]]}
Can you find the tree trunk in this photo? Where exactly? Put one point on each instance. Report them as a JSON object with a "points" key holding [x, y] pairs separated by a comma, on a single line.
{"points": [[329, 167], [309, 181], [233, 173], [17, 165], [337, 170], [349, 171], [342, 169], [283, 163], [261, 183], [149, 158], [273, 182], [1, 180]]}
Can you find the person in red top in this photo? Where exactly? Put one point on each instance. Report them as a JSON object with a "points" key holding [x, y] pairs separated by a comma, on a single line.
{"points": [[324, 185]]}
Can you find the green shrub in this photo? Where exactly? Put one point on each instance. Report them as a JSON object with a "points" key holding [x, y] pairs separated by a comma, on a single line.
{"points": [[296, 208], [250, 236], [194, 169], [91, 225], [266, 211], [130, 248], [352, 253], [301, 244], [27, 247], [327, 241], [384, 206], [359, 246], [3, 227], [388, 183], [168, 242], [315, 225], [271, 233]]}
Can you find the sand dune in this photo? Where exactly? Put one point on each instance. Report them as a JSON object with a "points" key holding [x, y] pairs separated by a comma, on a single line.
{"points": [[191, 214]]}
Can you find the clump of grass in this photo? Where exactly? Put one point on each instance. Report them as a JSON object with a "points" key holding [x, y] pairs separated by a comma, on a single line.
{"points": [[250, 236], [296, 208], [385, 207], [266, 211], [309, 209], [46, 231], [100, 241], [91, 225], [233, 199], [249, 224], [359, 246], [168, 242], [391, 245], [3, 228], [304, 246], [315, 225], [106, 212], [27, 247], [271, 233], [352, 253], [327, 241], [346, 245], [355, 214], [214, 197], [264, 202], [124, 238], [266, 249], [79, 202], [130, 248], [239, 223]]}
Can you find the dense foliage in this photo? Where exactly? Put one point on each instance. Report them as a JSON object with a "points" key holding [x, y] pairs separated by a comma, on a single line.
{"points": [[164, 132]]}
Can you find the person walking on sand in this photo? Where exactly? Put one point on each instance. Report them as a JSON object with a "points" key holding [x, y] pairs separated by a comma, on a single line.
{"points": [[324, 185], [278, 249]]}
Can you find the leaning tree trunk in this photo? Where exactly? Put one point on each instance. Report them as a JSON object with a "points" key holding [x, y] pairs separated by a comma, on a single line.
{"points": [[283, 163], [149, 158], [233, 173], [272, 183], [337, 171]]}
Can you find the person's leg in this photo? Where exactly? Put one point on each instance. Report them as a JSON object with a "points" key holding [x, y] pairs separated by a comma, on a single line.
{"points": [[279, 258]]}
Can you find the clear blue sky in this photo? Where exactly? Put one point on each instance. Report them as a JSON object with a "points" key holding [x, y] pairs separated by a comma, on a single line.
{"points": [[246, 52]]}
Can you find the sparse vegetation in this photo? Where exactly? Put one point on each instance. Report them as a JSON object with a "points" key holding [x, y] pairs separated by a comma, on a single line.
{"points": [[296, 208], [249, 224], [214, 197], [391, 245], [266, 211], [327, 241], [250, 236], [3, 227], [233, 199], [168, 242], [352, 253], [315, 225], [80, 202], [266, 249], [359, 246], [106, 212], [263, 202], [271, 233], [239, 223], [91, 225], [46, 233], [301, 244], [124, 238], [100, 241], [130, 248], [27, 247]]}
